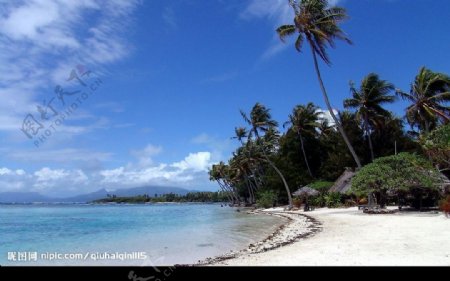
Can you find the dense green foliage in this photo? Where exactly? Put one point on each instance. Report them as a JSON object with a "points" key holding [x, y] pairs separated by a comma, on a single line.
{"points": [[429, 96], [248, 172], [266, 199], [398, 174], [437, 147]]}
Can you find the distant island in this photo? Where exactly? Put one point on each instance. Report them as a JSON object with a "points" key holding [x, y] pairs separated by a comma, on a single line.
{"points": [[34, 197], [205, 197]]}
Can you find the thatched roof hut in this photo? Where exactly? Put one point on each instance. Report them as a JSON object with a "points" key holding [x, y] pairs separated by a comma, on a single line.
{"points": [[344, 182], [306, 191], [445, 185]]}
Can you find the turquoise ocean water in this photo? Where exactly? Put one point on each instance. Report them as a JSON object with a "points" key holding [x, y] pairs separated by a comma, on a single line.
{"points": [[153, 234]]}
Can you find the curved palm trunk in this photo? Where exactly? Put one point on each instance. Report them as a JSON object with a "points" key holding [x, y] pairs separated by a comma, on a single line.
{"points": [[229, 194], [283, 179], [327, 102], [286, 186], [304, 153]]}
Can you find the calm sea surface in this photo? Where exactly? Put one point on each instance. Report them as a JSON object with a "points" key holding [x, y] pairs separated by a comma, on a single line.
{"points": [[153, 234]]}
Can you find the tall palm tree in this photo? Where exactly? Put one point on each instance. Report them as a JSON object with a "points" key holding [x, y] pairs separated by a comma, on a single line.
{"points": [[317, 23], [261, 122], [428, 97], [367, 100], [304, 121]]}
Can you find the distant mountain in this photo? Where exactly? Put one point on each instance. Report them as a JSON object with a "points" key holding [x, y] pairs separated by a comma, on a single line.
{"points": [[83, 198], [23, 197], [33, 197]]}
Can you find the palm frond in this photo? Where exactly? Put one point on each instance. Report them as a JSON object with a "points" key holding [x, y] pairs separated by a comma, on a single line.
{"points": [[285, 30]]}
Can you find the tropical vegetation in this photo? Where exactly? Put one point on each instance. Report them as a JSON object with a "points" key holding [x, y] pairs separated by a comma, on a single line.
{"points": [[400, 175], [271, 162]]}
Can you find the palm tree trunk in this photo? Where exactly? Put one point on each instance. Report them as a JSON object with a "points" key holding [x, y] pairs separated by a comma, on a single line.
{"points": [[366, 125], [229, 194], [304, 153], [440, 113], [283, 179], [250, 188], [291, 203], [327, 102]]}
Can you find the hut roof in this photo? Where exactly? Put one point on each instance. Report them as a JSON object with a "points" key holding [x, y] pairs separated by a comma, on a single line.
{"points": [[343, 183], [306, 190]]}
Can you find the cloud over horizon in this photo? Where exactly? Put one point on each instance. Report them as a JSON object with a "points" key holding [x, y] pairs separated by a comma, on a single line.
{"points": [[189, 172]]}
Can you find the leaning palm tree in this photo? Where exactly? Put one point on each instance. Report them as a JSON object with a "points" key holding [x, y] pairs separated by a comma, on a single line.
{"points": [[304, 120], [428, 97], [261, 121], [317, 23], [367, 101]]}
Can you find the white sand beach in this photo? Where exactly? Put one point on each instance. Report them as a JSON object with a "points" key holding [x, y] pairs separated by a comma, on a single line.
{"points": [[349, 237]]}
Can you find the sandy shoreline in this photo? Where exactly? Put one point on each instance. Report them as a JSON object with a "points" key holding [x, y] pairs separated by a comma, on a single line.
{"points": [[298, 226], [343, 237]]}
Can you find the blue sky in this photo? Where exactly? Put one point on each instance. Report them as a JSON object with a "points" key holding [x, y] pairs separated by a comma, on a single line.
{"points": [[174, 76]]}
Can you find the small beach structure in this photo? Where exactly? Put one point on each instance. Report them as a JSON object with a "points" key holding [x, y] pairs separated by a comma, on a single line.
{"points": [[344, 182], [306, 192]]}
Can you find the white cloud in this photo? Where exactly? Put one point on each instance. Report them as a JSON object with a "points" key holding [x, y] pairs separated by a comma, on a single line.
{"points": [[5, 171], [189, 172], [145, 155], [158, 175], [276, 10], [46, 174], [42, 40], [326, 115], [20, 172], [220, 148], [197, 162], [47, 179]]}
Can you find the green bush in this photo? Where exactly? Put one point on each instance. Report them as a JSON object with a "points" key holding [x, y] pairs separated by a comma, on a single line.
{"points": [[319, 201], [266, 199], [398, 172], [321, 186], [402, 173], [333, 200]]}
